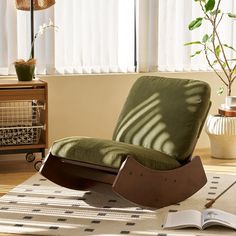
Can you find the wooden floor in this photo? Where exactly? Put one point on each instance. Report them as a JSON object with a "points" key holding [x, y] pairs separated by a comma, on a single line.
{"points": [[215, 164], [14, 169]]}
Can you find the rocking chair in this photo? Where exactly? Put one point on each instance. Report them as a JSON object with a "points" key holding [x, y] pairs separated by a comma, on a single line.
{"points": [[149, 159]]}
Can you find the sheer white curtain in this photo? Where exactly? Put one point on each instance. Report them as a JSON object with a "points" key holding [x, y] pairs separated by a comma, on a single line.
{"points": [[174, 17], [94, 36]]}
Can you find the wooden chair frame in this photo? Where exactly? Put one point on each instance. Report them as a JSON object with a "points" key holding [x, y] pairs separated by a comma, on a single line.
{"points": [[133, 181]]}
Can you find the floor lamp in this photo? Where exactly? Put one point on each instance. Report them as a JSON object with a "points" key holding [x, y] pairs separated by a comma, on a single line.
{"points": [[33, 5]]}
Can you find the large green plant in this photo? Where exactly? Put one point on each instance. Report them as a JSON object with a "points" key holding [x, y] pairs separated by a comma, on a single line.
{"points": [[212, 46]]}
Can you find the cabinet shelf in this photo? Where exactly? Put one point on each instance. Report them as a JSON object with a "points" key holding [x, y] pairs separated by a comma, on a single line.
{"points": [[23, 116]]}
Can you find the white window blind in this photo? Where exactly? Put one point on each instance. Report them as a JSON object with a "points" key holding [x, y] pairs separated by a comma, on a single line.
{"points": [[8, 35], [173, 33], [94, 36], [97, 36], [147, 25]]}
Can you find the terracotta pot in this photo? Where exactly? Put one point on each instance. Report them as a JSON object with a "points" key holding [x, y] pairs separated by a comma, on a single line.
{"points": [[25, 72]]}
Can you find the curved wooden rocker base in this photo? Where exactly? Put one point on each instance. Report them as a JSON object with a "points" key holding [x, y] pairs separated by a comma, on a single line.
{"points": [[73, 174], [156, 189], [133, 181]]}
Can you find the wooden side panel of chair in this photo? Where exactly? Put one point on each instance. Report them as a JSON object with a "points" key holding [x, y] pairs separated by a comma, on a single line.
{"points": [[157, 189], [134, 181], [72, 174]]}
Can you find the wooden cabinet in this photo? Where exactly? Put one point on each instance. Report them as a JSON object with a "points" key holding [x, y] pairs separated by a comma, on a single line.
{"points": [[23, 118]]}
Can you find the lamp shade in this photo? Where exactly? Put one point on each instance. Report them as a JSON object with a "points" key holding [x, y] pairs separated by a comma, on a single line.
{"points": [[38, 4]]}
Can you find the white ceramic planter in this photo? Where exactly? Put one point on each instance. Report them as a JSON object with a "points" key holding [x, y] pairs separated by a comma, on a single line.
{"points": [[230, 101], [222, 134]]}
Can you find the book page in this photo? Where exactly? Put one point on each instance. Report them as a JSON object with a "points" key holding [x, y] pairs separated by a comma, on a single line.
{"points": [[183, 219], [218, 217]]}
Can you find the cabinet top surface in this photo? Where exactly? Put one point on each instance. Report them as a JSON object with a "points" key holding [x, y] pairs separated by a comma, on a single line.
{"points": [[16, 82]]}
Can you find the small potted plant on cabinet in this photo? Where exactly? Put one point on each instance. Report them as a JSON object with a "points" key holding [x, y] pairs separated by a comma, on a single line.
{"points": [[220, 128], [25, 68]]}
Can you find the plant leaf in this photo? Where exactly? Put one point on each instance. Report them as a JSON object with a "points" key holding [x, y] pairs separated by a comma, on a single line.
{"points": [[190, 43], [215, 12], [205, 38], [234, 71], [231, 15], [196, 53], [195, 23], [214, 62], [217, 51], [210, 38], [210, 5], [230, 47], [220, 90]]}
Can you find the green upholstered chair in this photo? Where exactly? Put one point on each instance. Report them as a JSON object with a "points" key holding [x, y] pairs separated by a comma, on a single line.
{"points": [[148, 161]]}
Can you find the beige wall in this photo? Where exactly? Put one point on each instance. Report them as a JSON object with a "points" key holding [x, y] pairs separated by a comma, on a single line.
{"points": [[89, 105]]}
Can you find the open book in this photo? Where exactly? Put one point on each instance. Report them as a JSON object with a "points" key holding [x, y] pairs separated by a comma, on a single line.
{"points": [[201, 220]]}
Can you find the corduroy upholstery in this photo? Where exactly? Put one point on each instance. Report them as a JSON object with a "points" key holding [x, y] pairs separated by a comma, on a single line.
{"points": [[158, 126], [110, 153], [164, 114]]}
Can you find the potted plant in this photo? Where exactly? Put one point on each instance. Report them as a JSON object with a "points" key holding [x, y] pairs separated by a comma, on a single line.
{"points": [[25, 68], [221, 129]]}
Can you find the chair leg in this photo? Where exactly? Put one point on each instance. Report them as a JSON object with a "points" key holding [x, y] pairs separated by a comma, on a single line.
{"points": [[156, 189]]}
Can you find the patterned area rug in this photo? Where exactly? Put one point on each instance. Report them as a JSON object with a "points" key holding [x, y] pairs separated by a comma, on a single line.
{"points": [[39, 207]]}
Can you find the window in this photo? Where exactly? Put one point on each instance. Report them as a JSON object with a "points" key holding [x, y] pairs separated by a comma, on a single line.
{"points": [[93, 37], [98, 36], [174, 18]]}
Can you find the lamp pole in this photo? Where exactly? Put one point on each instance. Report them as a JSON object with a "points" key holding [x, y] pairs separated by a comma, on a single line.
{"points": [[32, 24]]}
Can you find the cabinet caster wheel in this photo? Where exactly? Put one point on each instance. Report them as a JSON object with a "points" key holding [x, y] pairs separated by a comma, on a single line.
{"points": [[37, 165], [30, 157]]}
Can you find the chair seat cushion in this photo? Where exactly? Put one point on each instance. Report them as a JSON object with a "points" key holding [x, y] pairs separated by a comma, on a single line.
{"points": [[110, 153]]}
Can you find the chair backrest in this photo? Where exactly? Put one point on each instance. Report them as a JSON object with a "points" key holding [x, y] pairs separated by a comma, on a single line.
{"points": [[164, 114]]}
